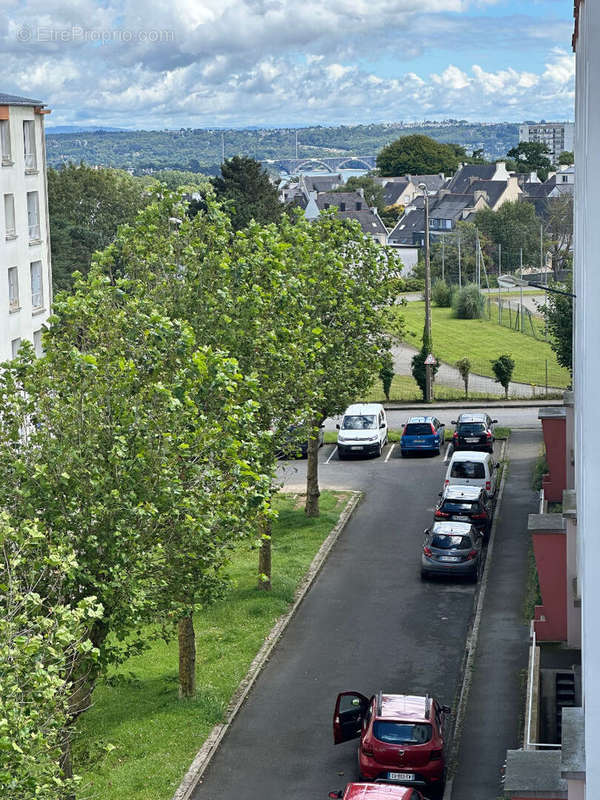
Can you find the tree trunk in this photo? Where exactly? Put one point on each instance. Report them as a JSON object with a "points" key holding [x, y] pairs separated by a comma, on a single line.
{"points": [[66, 763], [312, 477], [466, 387], [187, 657], [264, 555]]}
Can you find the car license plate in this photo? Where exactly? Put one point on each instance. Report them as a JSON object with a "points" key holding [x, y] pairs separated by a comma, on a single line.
{"points": [[449, 558], [472, 441], [419, 441], [356, 447], [401, 776], [460, 518]]}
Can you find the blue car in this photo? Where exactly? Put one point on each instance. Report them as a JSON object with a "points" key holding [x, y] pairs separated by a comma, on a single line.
{"points": [[422, 434]]}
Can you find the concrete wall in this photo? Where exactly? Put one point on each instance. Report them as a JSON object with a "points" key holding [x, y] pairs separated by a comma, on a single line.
{"points": [[587, 369], [548, 532], [19, 251], [554, 425]]}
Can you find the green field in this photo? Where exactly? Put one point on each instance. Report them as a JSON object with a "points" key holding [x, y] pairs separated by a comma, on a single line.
{"points": [[154, 735], [481, 340]]}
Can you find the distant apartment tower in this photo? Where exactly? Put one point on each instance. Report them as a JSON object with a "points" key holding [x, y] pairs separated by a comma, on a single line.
{"points": [[25, 271], [557, 136]]}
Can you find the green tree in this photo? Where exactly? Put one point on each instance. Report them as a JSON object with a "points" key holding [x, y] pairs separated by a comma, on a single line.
{"points": [[41, 636], [558, 313], [417, 155], [566, 158], [515, 227], [348, 284], [246, 191], [531, 157], [386, 375], [86, 206], [503, 367], [463, 365], [559, 228], [419, 370]]}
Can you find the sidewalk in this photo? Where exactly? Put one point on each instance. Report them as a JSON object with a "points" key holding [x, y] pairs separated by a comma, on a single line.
{"points": [[447, 375], [495, 705]]}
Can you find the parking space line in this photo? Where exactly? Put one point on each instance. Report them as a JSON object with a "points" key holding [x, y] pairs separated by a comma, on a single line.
{"points": [[447, 452], [332, 454], [387, 458]]}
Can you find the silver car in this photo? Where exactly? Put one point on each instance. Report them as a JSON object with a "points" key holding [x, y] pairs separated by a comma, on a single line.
{"points": [[452, 549]]}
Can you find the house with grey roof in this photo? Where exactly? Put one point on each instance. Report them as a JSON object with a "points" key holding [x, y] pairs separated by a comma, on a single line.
{"points": [[351, 206], [470, 173]]}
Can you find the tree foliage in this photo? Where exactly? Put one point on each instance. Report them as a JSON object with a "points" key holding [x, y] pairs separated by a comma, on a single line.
{"points": [[441, 294], [503, 367], [530, 157], [515, 227], [247, 192], [463, 365], [86, 206], [566, 158], [373, 191], [559, 228], [41, 635], [417, 155], [558, 313]]}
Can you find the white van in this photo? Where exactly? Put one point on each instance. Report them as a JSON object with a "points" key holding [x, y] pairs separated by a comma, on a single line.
{"points": [[471, 468], [363, 430]]}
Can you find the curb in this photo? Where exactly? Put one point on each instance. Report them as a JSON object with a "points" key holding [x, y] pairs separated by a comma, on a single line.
{"points": [[471, 644], [209, 748]]}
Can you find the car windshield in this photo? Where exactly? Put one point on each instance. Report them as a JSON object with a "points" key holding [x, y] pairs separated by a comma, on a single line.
{"points": [[467, 469], [471, 428], [359, 422], [449, 542], [402, 732], [418, 428], [459, 507]]}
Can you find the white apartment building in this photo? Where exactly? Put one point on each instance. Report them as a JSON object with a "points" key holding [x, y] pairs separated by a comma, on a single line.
{"points": [[557, 136], [25, 270]]}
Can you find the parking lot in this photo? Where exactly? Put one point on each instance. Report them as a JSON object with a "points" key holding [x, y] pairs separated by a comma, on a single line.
{"points": [[369, 622]]}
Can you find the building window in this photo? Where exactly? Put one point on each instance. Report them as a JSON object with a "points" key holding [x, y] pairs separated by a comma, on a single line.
{"points": [[33, 216], [13, 289], [10, 229], [29, 145], [565, 178], [37, 343], [5, 141], [359, 206], [15, 345], [37, 289]]}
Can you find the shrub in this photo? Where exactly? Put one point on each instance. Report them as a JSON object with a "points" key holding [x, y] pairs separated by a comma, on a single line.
{"points": [[418, 369], [503, 368], [386, 374], [468, 302], [464, 367], [441, 294]]}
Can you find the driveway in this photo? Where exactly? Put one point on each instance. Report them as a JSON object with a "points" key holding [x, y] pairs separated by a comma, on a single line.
{"points": [[367, 623]]}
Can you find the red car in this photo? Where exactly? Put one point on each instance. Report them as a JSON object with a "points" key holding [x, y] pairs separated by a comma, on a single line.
{"points": [[376, 791], [401, 737]]}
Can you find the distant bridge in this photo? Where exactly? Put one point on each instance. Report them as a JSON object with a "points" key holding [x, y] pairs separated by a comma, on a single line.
{"points": [[295, 165]]}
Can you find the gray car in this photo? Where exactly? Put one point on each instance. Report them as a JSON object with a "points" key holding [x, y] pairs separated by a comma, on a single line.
{"points": [[452, 549]]}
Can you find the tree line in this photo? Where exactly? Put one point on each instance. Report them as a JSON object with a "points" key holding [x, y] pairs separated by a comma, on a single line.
{"points": [[141, 447]]}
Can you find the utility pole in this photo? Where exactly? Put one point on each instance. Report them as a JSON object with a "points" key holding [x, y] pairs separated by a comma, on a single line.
{"points": [[296, 144], [443, 253], [477, 260], [222, 147], [542, 253], [459, 264], [427, 331], [499, 259]]}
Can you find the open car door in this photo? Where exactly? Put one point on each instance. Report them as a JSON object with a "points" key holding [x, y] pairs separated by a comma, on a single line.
{"points": [[350, 710]]}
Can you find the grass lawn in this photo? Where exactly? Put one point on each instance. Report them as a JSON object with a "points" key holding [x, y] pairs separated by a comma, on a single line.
{"points": [[155, 736], [481, 340]]}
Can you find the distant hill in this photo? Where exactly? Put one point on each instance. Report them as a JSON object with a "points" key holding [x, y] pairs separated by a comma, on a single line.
{"points": [[199, 150], [79, 128]]}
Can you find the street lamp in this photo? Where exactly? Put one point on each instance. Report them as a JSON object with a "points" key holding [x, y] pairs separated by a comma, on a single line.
{"points": [[427, 332]]}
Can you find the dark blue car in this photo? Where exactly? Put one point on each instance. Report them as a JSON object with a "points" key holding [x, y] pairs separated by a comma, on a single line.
{"points": [[422, 434]]}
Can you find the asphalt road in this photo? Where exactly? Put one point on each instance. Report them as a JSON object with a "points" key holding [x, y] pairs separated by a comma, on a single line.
{"points": [[367, 623]]}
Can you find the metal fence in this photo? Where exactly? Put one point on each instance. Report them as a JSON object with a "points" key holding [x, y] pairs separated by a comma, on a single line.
{"points": [[518, 315]]}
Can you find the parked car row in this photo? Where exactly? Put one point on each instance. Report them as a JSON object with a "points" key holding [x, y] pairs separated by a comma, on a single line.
{"points": [[401, 751], [453, 545]]}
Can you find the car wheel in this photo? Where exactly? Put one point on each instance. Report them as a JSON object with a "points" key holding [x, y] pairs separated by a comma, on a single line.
{"points": [[341, 456], [378, 451], [424, 575], [438, 451]]}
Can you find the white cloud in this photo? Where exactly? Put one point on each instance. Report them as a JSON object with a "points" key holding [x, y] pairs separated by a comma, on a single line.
{"points": [[273, 61]]}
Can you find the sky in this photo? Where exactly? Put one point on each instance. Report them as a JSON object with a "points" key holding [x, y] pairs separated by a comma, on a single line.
{"points": [[157, 64]]}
